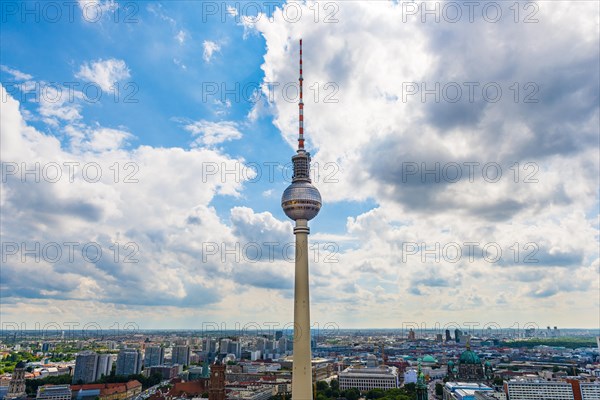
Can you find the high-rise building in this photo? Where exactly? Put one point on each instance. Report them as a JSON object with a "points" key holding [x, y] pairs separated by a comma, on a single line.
{"points": [[16, 386], [448, 337], [301, 202], [129, 362], [154, 355], [180, 355], [89, 366], [104, 366], [46, 347], [457, 335], [235, 348], [209, 345]]}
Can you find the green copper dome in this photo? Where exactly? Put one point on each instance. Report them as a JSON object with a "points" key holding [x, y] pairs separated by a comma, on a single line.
{"points": [[469, 357], [429, 359]]}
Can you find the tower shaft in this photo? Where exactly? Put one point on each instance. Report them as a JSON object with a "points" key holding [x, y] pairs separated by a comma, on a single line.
{"points": [[301, 368]]}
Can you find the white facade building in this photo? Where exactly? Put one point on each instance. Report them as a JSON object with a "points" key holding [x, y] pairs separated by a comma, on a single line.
{"points": [[383, 377], [537, 389], [590, 390]]}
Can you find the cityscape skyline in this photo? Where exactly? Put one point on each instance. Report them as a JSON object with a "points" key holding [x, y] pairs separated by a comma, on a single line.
{"points": [[142, 166]]}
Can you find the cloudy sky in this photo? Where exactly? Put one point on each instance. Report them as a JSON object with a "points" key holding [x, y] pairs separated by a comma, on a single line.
{"points": [[145, 147]]}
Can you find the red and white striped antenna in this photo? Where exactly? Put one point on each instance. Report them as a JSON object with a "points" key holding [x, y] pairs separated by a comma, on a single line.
{"points": [[301, 108]]}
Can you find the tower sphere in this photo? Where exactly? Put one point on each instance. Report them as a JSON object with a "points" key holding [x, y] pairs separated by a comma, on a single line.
{"points": [[301, 200]]}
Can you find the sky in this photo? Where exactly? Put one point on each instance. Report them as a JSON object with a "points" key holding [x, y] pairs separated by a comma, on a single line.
{"points": [[145, 147]]}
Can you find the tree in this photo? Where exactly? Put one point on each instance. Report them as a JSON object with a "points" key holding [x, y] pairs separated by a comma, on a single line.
{"points": [[375, 394], [335, 384], [410, 388], [322, 386], [351, 394], [439, 389]]}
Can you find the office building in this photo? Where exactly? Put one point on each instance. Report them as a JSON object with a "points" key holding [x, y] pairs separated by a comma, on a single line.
{"points": [[154, 355], [129, 362], [90, 366], [535, 389], [463, 390], [365, 378], [180, 355]]}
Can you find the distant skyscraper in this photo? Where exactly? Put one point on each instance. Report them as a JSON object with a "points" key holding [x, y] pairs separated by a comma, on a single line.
{"points": [[235, 348], [180, 355], [45, 347], [448, 337], [129, 362], [457, 335], [224, 346], [278, 335], [209, 346], [301, 201], [411, 334], [154, 355]]}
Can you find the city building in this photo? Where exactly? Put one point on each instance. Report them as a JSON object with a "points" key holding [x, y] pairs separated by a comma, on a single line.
{"points": [[589, 390], [367, 378], [301, 202], [469, 367], [90, 366], [535, 389], [166, 371], [54, 392], [463, 390], [129, 362], [106, 391], [180, 355], [16, 386], [154, 355], [421, 387], [488, 395], [217, 382]]}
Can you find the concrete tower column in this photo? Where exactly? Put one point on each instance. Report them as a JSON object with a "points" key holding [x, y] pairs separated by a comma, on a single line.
{"points": [[301, 368]]}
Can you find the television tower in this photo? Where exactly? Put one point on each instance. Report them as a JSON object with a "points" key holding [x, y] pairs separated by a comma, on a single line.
{"points": [[301, 201]]}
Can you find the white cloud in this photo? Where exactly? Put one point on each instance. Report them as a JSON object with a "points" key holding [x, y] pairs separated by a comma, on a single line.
{"points": [[370, 131], [94, 10], [211, 133], [18, 75], [181, 36], [128, 196], [209, 48], [104, 73]]}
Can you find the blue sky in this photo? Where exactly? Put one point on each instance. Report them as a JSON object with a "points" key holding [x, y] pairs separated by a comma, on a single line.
{"points": [[496, 96]]}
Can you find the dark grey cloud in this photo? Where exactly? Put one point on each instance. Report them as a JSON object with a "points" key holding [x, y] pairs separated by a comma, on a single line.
{"points": [[261, 277]]}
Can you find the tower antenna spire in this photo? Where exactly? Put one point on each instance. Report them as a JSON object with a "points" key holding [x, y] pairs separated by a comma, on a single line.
{"points": [[300, 107]]}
